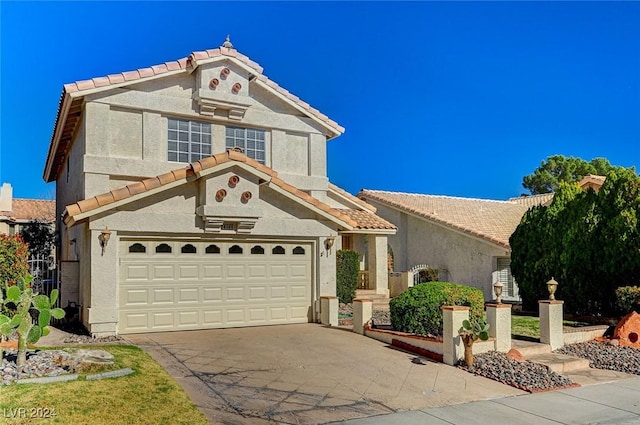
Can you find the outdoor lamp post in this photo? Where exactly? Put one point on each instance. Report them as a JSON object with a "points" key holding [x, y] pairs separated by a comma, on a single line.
{"points": [[497, 289], [552, 285]]}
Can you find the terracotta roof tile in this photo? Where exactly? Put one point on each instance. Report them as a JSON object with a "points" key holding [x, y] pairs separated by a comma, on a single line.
{"points": [[183, 173], [493, 221], [31, 209], [177, 65], [533, 200], [366, 220], [105, 198]]}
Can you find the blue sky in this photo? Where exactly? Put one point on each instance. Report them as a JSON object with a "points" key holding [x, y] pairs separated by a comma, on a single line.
{"points": [[448, 98]]}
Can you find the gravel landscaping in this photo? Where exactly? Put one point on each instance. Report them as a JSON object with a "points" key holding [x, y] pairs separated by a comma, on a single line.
{"points": [[527, 376], [602, 355]]}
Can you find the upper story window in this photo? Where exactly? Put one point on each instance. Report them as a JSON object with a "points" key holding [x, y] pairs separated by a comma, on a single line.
{"points": [[250, 140], [188, 141]]}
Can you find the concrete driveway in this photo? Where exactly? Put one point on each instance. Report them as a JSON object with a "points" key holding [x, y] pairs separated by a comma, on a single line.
{"points": [[306, 374]]}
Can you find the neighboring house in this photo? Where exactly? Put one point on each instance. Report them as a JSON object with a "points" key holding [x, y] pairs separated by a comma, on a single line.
{"points": [[194, 194], [466, 239], [15, 213]]}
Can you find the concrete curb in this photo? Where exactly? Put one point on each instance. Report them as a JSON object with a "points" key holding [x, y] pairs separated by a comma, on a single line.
{"points": [[110, 374], [48, 379]]}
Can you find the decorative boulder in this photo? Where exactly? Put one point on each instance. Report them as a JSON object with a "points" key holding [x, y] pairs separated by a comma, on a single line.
{"points": [[515, 355], [628, 330]]}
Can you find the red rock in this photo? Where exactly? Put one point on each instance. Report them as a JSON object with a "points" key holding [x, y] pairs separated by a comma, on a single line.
{"points": [[515, 355], [628, 330]]}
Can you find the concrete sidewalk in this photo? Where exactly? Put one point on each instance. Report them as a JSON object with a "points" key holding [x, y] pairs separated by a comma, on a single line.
{"points": [[611, 403]]}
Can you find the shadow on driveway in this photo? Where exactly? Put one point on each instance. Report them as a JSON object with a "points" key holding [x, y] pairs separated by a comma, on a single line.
{"points": [[306, 374]]}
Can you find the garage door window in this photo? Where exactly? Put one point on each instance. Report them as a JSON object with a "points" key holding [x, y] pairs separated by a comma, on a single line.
{"points": [[298, 250], [137, 248], [212, 249], [257, 250], [163, 248], [235, 249], [278, 250], [188, 249]]}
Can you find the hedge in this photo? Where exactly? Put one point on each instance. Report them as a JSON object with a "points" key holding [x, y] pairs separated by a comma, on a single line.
{"points": [[347, 267], [418, 310], [627, 297]]}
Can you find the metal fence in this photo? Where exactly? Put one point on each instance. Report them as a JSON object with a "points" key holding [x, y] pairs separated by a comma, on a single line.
{"points": [[45, 275]]}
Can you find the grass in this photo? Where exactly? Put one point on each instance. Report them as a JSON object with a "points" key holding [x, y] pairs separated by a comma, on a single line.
{"points": [[529, 326], [149, 396]]}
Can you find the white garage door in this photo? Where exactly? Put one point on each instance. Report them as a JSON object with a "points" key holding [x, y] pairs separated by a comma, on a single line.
{"points": [[174, 285]]}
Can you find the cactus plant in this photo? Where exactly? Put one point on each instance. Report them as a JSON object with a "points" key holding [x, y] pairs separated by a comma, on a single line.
{"points": [[29, 331], [471, 331]]}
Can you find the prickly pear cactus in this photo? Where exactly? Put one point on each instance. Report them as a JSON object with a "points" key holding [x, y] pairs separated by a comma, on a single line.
{"points": [[28, 330]]}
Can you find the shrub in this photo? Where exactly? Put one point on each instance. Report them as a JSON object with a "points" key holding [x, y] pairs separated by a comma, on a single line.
{"points": [[347, 267], [428, 275], [418, 309], [14, 256], [627, 297]]}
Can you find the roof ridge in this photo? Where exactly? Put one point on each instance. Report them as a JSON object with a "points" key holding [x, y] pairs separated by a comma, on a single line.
{"points": [[436, 196]]}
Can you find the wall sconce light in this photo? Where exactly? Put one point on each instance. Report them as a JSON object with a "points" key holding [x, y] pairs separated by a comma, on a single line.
{"points": [[328, 243], [497, 289], [103, 238], [552, 285]]}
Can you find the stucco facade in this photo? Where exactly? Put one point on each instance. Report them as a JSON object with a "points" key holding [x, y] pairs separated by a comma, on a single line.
{"points": [[114, 176]]}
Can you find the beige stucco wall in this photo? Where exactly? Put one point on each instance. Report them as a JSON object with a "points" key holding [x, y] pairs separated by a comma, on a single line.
{"points": [[467, 260]]}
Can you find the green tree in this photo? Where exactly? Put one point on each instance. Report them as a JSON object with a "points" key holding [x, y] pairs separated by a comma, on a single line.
{"points": [[13, 260], [559, 168], [588, 241], [40, 237]]}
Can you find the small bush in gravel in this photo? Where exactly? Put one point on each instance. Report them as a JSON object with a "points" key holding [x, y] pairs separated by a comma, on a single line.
{"points": [[418, 309], [527, 376]]}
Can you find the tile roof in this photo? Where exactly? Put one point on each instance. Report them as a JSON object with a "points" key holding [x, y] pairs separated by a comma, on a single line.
{"points": [[533, 200], [493, 221], [593, 181], [70, 106], [189, 172], [366, 220], [31, 209]]}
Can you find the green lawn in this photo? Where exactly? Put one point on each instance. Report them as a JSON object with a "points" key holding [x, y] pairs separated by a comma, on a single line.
{"points": [[149, 396], [529, 326]]}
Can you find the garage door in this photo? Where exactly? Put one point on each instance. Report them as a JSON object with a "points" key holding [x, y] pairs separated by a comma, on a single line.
{"points": [[171, 285]]}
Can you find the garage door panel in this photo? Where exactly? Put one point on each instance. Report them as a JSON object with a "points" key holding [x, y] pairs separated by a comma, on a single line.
{"points": [[163, 272], [162, 320], [162, 296], [188, 318], [135, 297], [212, 318], [188, 295], [236, 271], [212, 294], [188, 271], [257, 293], [213, 272], [278, 292], [161, 292], [136, 272]]}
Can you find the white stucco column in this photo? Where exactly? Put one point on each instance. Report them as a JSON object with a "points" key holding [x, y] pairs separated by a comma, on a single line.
{"points": [[377, 257], [362, 314], [452, 347], [499, 320], [329, 311], [551, 331], [103, 311]]}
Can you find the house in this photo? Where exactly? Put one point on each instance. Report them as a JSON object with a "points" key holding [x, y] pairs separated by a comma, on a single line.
{"points": [[466, 239], [15, 213], [194, 194]]}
